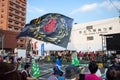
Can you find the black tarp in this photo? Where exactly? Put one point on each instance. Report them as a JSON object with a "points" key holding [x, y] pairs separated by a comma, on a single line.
{"points": [[113, 41]]}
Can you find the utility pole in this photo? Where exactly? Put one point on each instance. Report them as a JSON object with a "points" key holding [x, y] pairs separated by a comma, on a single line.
{"points": [[3, 41], [2, 35], [119, 16]]}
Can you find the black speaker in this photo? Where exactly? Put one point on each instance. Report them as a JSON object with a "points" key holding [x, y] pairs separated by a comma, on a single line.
{"points": [[113, 42]]}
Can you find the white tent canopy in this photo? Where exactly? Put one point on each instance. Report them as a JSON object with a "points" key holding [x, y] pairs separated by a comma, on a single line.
{"points": [[53, 47], [71, 47]]}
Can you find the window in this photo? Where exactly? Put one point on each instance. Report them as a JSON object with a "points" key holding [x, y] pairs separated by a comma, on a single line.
{"points": [[1, 22], [3, 4], [17, 7], [16, 12], [23, 5], [21, 40], [21, 46], [22, 24], [23, 14], [16, 23], [17, 2], [90, 38], [11, 10], [1, 15], [10, 21], [2, 10], [16, 29], [110, 28], [89, 27], [99, 29], [104, 29], [80, 32], [9, 28], [94, 30], [23, 19], [11, 4], [23, 9], [16, 18], [11, 15]]}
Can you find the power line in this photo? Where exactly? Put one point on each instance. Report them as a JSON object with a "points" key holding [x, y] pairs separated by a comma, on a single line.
{"points": [[118, 9], [114, 5]]}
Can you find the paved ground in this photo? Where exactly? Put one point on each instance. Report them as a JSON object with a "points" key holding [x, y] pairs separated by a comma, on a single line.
{"points": [[46, 69]]}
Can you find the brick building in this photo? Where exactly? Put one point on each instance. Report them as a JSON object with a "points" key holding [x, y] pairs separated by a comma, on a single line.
{"points": [[12, 21]]}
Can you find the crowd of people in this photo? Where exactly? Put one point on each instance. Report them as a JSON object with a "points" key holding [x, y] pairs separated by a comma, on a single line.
{"points": [[86, 56], [73, 72], [13, 67], [9, 70]]}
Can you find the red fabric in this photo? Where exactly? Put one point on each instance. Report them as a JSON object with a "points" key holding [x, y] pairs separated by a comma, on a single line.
{"points": [[50, 26], [35, 46], [92, 77]]}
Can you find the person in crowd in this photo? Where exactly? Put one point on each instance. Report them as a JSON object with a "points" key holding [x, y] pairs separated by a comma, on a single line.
{"points": [[26, 73], [56, 73], [11, 60], [113, 73], [15, 57], [93, 67], [52, 57], [58, 62], [80, 55], [18, 64], [61, 76], [116, 63], [28, 59], [8, 72], [72, 72], [5, 59], [98, 73]]}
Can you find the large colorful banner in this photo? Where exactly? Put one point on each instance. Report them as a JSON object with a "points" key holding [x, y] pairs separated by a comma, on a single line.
{"points": [[52, 27]]}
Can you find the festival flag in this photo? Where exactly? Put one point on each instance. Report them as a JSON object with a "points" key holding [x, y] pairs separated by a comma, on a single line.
{"points": [[52, 27], [35, 70], [35, 45], [42, 49]]}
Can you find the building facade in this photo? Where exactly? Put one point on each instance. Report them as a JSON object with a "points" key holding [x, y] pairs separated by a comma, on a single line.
{"points": [[13, 19], [88, 36]]}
